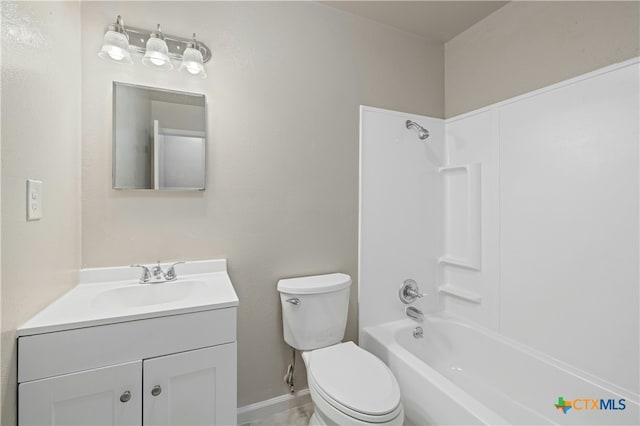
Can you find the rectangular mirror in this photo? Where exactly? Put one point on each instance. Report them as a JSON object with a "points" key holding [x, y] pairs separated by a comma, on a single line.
{"points": [[159, 138]]}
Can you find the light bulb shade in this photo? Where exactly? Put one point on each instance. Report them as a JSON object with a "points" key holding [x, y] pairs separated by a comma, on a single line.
{"points": [[157, 54], [192, 63], [115, 47]]}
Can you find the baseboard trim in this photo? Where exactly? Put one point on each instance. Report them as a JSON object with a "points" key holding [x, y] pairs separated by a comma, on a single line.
{"points": [[260, 410]]}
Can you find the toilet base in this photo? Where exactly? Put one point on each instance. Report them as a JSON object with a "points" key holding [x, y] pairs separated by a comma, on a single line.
{"points": [[315, 420]]}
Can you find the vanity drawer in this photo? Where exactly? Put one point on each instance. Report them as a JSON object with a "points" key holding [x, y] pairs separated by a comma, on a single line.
{"points": [[51, 354]]}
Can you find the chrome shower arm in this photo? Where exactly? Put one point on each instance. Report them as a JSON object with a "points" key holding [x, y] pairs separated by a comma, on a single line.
{"points": [[422, 132]]}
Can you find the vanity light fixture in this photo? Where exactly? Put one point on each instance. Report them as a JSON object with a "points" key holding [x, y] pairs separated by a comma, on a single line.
{"points": [[157, 54], [115, 46], [159, 50], [192, 62]]}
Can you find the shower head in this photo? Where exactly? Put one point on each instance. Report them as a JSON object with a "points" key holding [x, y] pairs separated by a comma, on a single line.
{"points": [[422, 132]]}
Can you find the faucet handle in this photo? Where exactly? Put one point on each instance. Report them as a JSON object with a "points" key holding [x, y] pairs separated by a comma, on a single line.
{"points": [[171, 272], [413, 293], [409, 291], [146, 274]]}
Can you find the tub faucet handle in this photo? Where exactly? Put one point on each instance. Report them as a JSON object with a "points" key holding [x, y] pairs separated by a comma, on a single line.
{"points": [[409, 291]]}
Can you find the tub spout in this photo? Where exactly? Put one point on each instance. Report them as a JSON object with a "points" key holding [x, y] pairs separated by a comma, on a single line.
{"points": [[414, 313]]}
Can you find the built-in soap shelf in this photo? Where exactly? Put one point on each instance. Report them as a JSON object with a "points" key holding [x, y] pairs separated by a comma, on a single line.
{"points": [[460, 263], [453, 167], [469, 296], [470, 257]]}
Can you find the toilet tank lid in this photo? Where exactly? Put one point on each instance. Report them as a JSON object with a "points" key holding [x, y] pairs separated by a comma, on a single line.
{"points": [[314, 284]]}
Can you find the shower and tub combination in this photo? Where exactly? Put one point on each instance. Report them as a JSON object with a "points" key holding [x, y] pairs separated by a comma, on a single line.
{"points": [[518, 225], [463, 374]]}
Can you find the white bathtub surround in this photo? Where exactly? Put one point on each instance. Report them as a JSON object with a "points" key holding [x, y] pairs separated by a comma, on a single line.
{"points": [[462, 373], [400, 211], [528, 225], [559, 213], [471, 220]]}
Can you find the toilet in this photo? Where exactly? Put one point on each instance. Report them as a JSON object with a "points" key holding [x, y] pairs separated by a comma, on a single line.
{"points": [[348, 385]]}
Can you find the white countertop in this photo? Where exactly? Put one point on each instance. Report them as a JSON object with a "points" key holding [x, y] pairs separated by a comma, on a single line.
{"points": [[112, 295]]}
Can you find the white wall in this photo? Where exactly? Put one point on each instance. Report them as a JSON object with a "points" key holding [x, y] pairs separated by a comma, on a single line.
{"points": [[400, 211], [560, 217], [40, 140]]}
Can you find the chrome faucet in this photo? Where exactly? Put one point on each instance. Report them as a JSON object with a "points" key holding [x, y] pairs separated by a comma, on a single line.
{"points": [[414, 313], [418, 332], [171, 275], [157, 274], [146, 275], [409, 291]]}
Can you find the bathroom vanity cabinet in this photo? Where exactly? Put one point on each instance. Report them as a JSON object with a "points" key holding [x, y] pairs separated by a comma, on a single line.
{"points": [[151, 372], [167, 367]]}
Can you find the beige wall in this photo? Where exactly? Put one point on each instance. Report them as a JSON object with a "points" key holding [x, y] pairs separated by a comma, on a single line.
{"points": [[283, 93], [40, 140], [524, 46]]}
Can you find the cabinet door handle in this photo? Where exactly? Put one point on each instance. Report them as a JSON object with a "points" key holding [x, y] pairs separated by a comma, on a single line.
{"points": [[157, 390], [125, 397]]}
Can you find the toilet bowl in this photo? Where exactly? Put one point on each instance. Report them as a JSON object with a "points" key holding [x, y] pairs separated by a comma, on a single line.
{"points": [[348, 385]]}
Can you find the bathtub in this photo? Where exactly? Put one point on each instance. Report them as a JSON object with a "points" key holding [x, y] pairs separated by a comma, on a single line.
{"points": [[463, 374]]}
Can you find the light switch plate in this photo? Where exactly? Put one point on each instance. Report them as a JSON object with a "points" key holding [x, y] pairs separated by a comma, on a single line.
{"points": [[34, 199]]}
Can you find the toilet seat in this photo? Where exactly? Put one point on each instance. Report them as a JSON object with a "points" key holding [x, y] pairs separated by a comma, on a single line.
{"points": [[327, 405], [354, 382]]}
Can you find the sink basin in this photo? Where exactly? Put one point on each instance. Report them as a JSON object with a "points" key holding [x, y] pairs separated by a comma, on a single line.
{"points": [[111, 295], [134, 296]]}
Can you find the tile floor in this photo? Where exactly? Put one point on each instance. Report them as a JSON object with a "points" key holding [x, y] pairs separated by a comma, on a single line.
{"points": [[296, 416]]}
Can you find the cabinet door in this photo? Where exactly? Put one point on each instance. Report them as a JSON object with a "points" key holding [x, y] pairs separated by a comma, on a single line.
{"points": [[191, 388], [93, 397]]}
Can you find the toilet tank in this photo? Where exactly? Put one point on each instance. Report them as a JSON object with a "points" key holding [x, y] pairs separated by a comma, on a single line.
{"points": [[314, 310]]}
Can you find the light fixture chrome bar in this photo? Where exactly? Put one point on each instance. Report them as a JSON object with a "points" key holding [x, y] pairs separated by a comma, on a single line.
{"points": [[177, 45]]}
